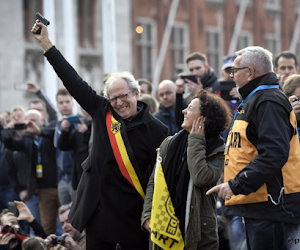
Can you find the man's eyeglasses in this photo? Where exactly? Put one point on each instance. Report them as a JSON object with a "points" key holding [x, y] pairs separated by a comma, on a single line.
{"points": [[234, 70], [121, 97]]}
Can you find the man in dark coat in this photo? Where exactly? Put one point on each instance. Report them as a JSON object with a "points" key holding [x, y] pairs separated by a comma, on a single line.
{"points": [[110, 194], [167, 96]]}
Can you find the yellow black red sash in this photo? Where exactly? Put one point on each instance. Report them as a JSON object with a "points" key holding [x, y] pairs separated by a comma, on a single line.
{"points": [[124, 154]]}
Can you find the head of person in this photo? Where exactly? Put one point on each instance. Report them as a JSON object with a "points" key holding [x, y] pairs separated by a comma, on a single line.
{"points": [[210, 106], [292, 86], [8, 218], [64, 102], [18, 114], [123, 91], [151, 102], [39, 105], [286, 64], [197, 64], [226, 68], [250, 63], [145, 85], [6, 114], [167, 93], [34, 243], [35, 116], [63, 213]]}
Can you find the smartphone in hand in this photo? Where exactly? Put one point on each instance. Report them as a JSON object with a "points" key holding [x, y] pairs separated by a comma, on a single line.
{"points": [[192, 78], [12, 207], [21, 86]]}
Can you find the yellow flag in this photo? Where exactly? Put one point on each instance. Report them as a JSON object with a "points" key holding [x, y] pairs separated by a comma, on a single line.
{"points": [[164, 225]]}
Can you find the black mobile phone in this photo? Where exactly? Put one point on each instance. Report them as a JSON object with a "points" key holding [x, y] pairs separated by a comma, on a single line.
{"points": [[12, 207], [21, 86], [43, 20], [226, 87], [192, 78], [20, 126]]}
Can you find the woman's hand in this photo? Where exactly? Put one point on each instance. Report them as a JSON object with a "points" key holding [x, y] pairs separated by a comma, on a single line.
{"points": [[198, 126]]}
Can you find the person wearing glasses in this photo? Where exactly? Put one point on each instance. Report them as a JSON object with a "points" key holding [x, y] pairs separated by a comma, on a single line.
{"points": [[111, 192], [261, 167]]}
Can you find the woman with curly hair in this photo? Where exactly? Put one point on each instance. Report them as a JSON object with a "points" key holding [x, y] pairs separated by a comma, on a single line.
{"points": [[192, 161]]}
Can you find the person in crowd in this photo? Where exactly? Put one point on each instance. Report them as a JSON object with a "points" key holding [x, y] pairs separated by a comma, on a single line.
{"points": [[17, 117], [64, 160], [110, 195], [151, 102], [40, 166], [286, 64], [167, 96], [7, 192], [195, 155], [43, 104], [6, 114], [10, 223], [145, 86], [235, 225], [291, 89], [78, 141], [34, 243], [206, 79], [261, 177], [72, 238], [226, 72]]}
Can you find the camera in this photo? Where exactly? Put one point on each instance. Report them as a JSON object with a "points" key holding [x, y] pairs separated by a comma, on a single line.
{"points": [[296, 100], [43, 20], [58, 240]]}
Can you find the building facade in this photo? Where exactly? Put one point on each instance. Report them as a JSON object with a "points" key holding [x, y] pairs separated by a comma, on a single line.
{"points": [[206, 26]]}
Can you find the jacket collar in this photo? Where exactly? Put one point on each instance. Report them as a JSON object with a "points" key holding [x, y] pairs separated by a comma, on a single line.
{"points": [[267, 79]]}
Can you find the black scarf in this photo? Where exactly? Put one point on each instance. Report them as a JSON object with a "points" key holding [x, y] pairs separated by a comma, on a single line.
{"points": [[176, 170]]}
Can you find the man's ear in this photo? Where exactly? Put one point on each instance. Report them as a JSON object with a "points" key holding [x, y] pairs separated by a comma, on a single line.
{"points": [[251, 74], [207, 67], [297, 69], [276, 70]]}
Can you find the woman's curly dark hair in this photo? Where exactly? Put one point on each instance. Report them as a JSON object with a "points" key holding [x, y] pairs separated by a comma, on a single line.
{"points": [[216, 111]]}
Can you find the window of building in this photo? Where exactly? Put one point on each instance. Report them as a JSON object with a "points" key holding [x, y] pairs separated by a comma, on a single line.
{"points": [[272, 45], [146, 45], [243, 41], [179, 46], [213, 49], [86, 23], [30, 7], [272, 4]]}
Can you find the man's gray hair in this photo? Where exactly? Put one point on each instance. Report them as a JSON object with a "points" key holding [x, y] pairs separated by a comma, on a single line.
{"points": [[257, 57], [128, 77], [64, 208]]}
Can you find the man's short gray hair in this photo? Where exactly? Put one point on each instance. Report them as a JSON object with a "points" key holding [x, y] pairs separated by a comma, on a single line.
{"points": [[128, 77], [64, 208], [257, 57]]}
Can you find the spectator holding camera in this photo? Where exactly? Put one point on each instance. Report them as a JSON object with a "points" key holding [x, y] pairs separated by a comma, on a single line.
{"points": [[40, 166], [206, 79], [78, 141], [11, 236], [291, 89], [71, 239]]}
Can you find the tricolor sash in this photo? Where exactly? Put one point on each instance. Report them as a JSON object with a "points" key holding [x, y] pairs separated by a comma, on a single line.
{"points": [[124, 154]]}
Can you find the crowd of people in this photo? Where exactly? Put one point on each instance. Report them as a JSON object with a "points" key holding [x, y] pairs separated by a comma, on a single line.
{"points": [[229, 156]]}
